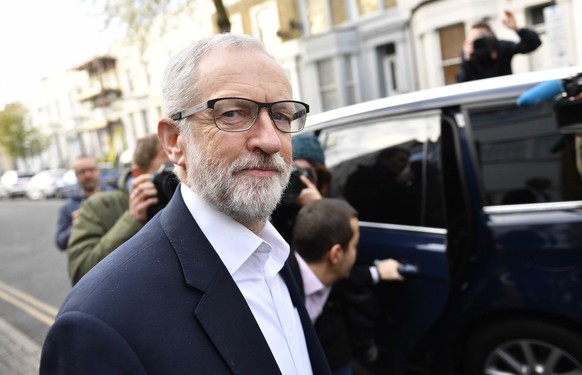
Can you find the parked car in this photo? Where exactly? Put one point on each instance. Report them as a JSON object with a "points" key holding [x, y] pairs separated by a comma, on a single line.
{"points": [[67, 186], [498, 286], [109, 175], [14, 183], [44, 184], [3, 192]]}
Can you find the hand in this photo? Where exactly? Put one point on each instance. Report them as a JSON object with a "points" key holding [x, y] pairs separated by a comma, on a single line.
{"points": [[74, 215], [388, 270], [405, 177], [468, 49], [143, 195], [308, 193], [509, 20]]}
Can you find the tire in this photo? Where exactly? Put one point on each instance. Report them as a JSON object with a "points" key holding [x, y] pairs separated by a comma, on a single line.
{"points": [[523, 347]]}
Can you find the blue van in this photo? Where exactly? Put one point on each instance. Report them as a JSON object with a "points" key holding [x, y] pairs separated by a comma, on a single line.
{"points": [[485, 199]]}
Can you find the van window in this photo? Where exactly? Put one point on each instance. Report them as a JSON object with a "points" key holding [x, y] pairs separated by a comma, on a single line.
{"points": [[522, 156], [389, 168]]}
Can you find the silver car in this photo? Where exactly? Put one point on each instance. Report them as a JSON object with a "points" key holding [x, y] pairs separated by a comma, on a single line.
{"points": [[44, 184], [14, 183]]}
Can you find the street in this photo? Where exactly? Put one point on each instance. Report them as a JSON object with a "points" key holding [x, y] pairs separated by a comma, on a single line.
{"points": [[33, 275]]}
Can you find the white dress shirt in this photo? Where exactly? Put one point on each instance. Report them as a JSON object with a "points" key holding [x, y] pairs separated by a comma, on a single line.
{"points": [[315, 292], [254, 263]]}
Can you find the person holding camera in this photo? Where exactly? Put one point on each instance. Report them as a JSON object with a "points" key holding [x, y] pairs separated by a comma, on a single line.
{"points": [[108, 219], [309, 181], [485, 56]]}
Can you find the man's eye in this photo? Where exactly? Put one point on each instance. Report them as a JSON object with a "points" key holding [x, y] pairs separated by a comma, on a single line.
{"points": [[278, 116], [229, 114]]}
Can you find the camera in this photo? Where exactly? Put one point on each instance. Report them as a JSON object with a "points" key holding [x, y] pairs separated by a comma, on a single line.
{"points": [[165, 182], [572, 86], [483, 46], [569, 109], [295, 185]]}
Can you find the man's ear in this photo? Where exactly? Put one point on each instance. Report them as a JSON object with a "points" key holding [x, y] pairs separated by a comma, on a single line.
{"points": [[135, 171], [169, 135], [335, 254]]}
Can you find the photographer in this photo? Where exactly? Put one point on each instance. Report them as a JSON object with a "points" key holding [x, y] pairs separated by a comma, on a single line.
{"points": [[309, 181], [108, 219], [484, 56]]}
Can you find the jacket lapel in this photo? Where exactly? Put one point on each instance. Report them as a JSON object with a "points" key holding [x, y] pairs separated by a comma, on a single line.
{"points": [[317, 357], [222, 310], [226, 317]]}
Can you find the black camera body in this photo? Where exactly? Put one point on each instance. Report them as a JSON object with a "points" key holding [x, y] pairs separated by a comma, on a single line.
{"points": [[568, 109], [483, 47], [295, 185], [572, 86], [165, 182]]}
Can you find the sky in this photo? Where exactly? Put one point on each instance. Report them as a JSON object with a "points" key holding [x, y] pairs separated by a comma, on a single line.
{"points": [[40, 38]]}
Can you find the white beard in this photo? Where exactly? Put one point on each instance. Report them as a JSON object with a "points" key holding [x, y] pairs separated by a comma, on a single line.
{"points": [[244, 198]]}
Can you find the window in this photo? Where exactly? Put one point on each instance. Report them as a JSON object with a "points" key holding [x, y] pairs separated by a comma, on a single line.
{"points": [[523, 157], [133, 125], [265, 23], [367, 6], [338, 12], [386, 55], [548, 21], [144, 119], [350, 81], [451, 42], [389, 169], [318, 16], [327, 85], [537, 14]]}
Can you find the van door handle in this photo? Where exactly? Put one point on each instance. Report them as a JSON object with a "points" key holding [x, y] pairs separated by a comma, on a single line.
{"points": [[407, 269]]}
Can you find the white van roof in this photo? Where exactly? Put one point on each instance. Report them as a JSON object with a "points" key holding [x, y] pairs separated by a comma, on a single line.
{"points": [[497, 88]]}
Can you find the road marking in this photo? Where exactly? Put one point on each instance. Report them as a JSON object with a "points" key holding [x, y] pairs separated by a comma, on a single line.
{"points": [[27, 303]]}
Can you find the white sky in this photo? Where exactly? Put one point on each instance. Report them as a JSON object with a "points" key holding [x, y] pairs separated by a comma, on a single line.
{"points": [[40, 38]]}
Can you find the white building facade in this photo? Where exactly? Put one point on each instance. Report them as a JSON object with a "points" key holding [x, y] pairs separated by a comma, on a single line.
{"points": [[337, 53]]}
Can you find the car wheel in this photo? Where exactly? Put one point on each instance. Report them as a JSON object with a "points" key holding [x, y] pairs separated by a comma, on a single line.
{"points": [[524, 347]]}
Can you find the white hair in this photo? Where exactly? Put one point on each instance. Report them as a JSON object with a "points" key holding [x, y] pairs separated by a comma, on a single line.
{"points": [[179, 82]]}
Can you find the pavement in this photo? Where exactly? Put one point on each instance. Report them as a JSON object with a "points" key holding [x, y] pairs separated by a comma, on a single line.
{"points": [[19, 355]]}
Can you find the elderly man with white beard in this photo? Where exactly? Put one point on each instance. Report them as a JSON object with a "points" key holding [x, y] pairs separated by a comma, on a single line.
{"points": [[203, 288]]}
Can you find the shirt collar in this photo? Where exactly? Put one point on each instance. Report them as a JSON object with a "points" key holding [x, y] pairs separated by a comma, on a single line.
{"points": [[232, 241], [311, 283]]}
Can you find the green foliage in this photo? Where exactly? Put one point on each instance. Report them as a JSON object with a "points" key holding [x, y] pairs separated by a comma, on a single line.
{"points": [[137, 17], [17, 139]]}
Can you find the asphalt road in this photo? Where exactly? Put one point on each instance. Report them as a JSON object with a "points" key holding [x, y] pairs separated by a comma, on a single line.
{"points": [[33, 276]]}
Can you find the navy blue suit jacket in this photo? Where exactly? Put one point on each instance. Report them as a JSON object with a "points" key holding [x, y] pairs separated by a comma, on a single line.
{"points": [[164, 303]]}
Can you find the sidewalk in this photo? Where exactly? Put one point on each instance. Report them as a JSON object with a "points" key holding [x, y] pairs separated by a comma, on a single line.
{"points": [[19, 355]]}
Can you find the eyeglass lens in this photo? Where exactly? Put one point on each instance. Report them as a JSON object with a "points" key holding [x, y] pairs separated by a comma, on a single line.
{"points": [[240, 114]]}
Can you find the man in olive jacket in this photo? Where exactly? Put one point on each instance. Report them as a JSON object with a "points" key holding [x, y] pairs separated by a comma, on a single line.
{"points": [[108, 219]]}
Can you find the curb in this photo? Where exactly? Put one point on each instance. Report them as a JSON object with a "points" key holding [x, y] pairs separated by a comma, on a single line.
{"points": [[19, 355]]}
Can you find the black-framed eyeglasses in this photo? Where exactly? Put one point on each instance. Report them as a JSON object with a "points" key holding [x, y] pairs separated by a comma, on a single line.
{"points": [[240, 114]]}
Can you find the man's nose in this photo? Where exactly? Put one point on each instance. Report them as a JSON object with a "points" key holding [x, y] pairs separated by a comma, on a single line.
{"points": [[264, 134]]}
